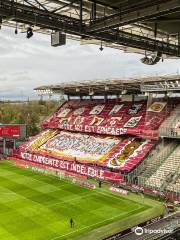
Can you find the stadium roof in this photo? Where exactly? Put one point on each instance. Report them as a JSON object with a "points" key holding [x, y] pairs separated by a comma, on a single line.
{"points": [[114, 87], [131, 25]]}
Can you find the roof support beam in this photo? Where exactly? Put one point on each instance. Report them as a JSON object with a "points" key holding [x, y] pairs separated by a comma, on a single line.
{"points": [[41, 5], [93, 12], [155, 9], [86, 5], [81, 13], [164, 20], [37, 2], [64, 6], [29, 15]]}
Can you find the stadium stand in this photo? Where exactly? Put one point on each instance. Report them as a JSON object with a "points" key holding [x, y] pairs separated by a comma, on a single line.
{"points": [[171, 126], [121, 153], [166, 171], [112, 118], [155, 159], [111, 140], [174, 186]]}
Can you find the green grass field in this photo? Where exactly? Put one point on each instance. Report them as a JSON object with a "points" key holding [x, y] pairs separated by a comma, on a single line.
{"points": [[34, 206]]}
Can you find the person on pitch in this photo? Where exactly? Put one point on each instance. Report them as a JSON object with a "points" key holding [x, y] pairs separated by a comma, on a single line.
{"points": [[71, 223]]}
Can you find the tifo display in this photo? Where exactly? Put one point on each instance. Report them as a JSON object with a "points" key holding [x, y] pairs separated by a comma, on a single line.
{"points": [[112, 118], [113, 152], [97, 139]]}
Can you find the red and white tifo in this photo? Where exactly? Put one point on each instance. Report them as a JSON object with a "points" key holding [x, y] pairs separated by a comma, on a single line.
{"points": [[97, 139]]}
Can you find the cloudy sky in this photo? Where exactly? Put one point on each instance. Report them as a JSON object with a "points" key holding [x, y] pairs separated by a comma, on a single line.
{"points": [[29, 63]]}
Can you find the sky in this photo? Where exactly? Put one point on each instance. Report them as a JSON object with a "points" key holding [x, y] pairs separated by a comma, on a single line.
{"points": [[29, 63]]}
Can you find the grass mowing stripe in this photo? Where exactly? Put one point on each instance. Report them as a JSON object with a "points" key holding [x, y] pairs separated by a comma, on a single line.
{"points": [[71, 200], [49, 211], [95, 224]]}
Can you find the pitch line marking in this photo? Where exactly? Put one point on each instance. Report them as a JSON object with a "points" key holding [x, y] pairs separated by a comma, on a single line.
{"points": [[71, 200], [103, 193], [58, 237]]}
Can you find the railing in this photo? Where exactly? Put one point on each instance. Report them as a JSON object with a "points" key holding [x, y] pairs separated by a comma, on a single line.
{"points": [[164, 175], [170, 132], [171, 126], [152, 163], [174, 186]]}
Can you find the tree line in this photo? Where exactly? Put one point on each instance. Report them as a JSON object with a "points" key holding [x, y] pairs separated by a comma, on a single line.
{"points": [[30, 113]]}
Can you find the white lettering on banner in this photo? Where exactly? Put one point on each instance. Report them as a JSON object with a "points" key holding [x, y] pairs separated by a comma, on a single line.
{"points": [[78, 169], [78, 128], [83, 170], [94, 129], [88, 128], [111, 130], [95, 173], [91, 172], [56, 163], [65, 165], [137, 187], [83, 183], [66, 127], [73, 167], [118, 190], [101, 174], [27, 156]]}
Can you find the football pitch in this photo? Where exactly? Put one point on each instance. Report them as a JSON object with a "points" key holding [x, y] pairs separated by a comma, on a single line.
{"points": [[34, 206]]}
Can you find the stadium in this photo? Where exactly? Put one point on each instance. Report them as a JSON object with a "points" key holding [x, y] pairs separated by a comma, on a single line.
{"points": [[106, 162]]}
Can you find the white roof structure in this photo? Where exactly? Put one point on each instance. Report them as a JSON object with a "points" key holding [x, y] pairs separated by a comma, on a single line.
{"points": [[163, 84]]}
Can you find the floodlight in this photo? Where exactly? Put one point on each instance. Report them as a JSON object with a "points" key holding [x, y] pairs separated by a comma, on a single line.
{"points": [[152, 59], [29, 32]]}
